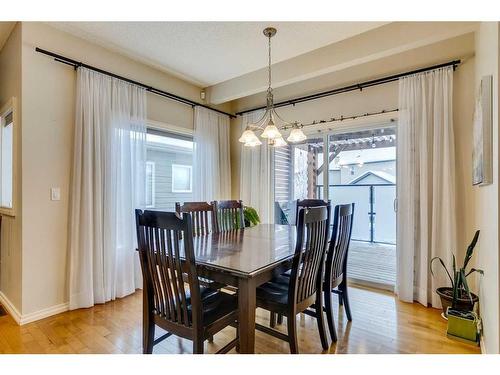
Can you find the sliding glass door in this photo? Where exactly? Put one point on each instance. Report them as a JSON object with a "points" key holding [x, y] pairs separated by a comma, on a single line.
{"points": [[359, 167]]}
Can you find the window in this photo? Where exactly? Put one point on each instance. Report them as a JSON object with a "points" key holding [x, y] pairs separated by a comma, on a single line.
{"points": [[168, 169], [182, 178], [150, 184], [6, 156]]}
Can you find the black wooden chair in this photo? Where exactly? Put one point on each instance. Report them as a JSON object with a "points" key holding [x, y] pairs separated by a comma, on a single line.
{"points": [[229, 215], [335, 280], [291, 295], [188, 311], [336, 263], [203, 215], [204, 219], [299, 203], [308, 203]]}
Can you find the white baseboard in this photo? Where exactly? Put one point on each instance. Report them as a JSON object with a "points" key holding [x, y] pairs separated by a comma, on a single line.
{"points": [[34, 316], [44, 313], [11, 309]]}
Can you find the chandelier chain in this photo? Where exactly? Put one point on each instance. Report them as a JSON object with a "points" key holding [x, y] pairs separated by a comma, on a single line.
{"points": [[269, 64]]}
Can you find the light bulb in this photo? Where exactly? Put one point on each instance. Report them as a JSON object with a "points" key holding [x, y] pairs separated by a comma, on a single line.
{"points": [[255, 141], [247, 136], [279, 142], [296, 135], [271, 131]]}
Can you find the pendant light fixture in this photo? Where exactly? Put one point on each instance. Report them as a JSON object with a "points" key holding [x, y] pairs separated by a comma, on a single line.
{"points": [[271, 123]]}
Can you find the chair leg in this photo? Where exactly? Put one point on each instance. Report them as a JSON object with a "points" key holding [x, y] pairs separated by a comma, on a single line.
{"points": [[329, 315], [345, 298], [292, 334], [148, 336], [272, 319], [321, 321], [237, 348], [280, 318], [197, 346]]}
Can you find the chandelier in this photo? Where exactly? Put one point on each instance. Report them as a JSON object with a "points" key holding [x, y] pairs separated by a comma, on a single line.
{"points": [[271, 123]]}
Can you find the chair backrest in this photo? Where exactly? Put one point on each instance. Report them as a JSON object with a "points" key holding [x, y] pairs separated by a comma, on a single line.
{"points": [[310, 250], [336, 260], [230, 215], [163, 262], [202, 214], [307, 203]]}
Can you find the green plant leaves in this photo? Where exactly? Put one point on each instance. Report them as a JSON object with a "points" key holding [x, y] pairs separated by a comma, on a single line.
{"points": [[251, 216], [446, 269]]}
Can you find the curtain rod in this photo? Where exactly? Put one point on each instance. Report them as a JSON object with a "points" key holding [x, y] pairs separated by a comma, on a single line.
{"points": [[357, 86], [76, 64]]}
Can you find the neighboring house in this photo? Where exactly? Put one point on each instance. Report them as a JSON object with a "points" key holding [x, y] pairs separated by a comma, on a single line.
{"points": [[374, 177], [168, 172], [351, 165]]}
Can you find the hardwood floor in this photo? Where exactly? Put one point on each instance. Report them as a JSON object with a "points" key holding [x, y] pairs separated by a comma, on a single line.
{"points": [[380, 325]]}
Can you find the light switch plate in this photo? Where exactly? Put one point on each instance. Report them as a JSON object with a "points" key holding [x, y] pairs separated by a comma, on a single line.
{"points": [[55, 194]]}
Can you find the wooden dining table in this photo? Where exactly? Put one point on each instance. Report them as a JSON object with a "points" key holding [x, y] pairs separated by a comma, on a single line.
{"points": [[245, 258]]}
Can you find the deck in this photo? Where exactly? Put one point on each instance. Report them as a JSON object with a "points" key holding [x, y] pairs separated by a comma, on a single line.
{"points": [[372, 263]]}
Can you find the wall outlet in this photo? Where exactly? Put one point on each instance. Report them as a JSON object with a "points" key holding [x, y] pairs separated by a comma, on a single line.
{"points": [[55, 194]]}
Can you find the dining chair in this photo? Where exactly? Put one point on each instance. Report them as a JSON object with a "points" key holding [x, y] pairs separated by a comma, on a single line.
{"points": [[335, 280], [308, 203], [181, 308], [299, 203], [336, 263], [204, 219], [203, 215], [229, 215], [290, 296]]}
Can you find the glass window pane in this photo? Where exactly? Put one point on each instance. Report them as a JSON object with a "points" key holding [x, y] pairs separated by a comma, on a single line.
{"points": [[308, 169], [181, 178], [169, 184], [6, 164], [385, 217], [150, 184], [298, 174]]}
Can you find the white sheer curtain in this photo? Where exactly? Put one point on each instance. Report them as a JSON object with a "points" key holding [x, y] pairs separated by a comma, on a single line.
{"points": [[256, 189], [108, 183], [426, 183], [212, 164]]}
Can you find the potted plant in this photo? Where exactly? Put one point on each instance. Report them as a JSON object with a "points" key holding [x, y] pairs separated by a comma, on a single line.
{"points": [[458, 296], [251, 216]]}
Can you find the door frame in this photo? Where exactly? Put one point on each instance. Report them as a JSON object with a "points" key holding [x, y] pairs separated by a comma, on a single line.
{"points": [[371, 122]]}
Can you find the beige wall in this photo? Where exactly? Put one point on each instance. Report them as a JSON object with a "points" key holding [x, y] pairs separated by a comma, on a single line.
{"points": [[11, 249], [48, 118], [486, 198]]}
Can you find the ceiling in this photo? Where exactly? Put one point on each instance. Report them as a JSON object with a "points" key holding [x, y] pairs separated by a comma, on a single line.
{"points": [[207, 53]]}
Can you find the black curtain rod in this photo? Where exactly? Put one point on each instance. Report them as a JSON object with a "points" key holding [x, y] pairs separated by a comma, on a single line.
{"points": [[357, 86], [166, 94]]}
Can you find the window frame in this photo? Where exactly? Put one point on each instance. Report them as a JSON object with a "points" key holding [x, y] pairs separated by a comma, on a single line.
{"points": [[10, 106], [153, 182], [190, 167]]}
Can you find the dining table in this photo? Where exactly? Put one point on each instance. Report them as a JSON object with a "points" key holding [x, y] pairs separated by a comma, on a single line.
{"points": [[245, 259]]}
